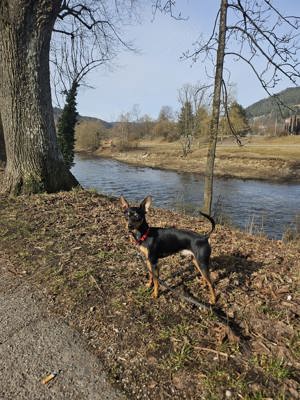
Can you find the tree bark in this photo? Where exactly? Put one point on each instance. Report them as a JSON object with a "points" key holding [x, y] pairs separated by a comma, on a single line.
{"points": [[2, 145], [34, 162], [214, 125]]}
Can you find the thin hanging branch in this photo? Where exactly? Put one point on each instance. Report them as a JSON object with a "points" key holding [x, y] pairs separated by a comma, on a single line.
{"points": [[87, 35], [225, 105]]}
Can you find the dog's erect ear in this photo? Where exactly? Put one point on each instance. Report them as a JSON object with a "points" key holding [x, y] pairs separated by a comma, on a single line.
{"points": [[124, 203], [146, 203]]}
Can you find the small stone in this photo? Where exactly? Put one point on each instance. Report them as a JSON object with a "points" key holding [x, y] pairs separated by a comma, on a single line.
{"points": [[152, 360], [152, 384], [228, 394]]}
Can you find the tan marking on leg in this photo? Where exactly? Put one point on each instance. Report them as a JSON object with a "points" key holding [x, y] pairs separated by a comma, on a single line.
{"points": [[155, 274], [145, 252], [149, 284], [207, 279], [202, 281]]}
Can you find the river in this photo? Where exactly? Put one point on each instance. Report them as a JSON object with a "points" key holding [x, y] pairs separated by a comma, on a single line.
{"points": [[251, 205]]}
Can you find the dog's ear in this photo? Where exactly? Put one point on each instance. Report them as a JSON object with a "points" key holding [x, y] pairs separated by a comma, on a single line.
{"points": [[146, 203], [124, 203]]}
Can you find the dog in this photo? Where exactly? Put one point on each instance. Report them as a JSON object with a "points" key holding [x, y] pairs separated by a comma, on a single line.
{"points": [[155, 243]]}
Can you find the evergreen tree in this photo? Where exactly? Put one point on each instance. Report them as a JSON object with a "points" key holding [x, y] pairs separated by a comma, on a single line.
{"points": [[202, 120], [66, 126], [238, 119], [186, 127]]}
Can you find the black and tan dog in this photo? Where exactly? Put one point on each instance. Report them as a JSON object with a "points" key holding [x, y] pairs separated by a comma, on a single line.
{"points": [[157, 243]]}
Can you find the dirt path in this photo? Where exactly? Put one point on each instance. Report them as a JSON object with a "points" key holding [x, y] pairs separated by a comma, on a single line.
{"points": [[33, 343]]}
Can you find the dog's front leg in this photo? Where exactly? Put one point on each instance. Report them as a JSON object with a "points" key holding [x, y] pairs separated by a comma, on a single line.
{"points": [[155, 275], [150, 281]]}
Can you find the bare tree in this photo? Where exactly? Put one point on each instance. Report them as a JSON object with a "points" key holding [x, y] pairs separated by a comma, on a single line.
{"points": [[193, 93], [166, 114], [214, 124], [248, 31], [34, 162], [191, 97]]}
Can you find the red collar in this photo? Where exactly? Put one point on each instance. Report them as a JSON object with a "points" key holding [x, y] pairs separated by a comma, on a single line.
{"points": [[143, 238]]}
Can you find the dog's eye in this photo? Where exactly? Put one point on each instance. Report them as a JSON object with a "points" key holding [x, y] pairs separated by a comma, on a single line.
{"points": [[137, 216]]}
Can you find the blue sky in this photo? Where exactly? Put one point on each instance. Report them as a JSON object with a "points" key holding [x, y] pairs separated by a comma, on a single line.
{"points": [[151, 78]]}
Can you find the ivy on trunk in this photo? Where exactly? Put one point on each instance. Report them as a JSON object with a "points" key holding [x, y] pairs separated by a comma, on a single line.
{"points": [[66, 126]]}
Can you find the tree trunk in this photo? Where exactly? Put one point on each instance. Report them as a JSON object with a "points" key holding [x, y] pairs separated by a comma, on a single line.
{"points": [[214, 125], [34, 162], [2, 146]]}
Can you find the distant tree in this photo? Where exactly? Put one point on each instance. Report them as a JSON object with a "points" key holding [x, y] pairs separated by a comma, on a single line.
{"points": [[66, 126], [166, 114], [146, 124], [196, 96], [185, 127], [89, 134], [164, 126], [236, 121], [202, 121], [165, 129]]}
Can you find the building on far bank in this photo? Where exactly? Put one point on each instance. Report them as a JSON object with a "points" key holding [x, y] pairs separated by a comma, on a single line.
{"points": [[292, 125]]}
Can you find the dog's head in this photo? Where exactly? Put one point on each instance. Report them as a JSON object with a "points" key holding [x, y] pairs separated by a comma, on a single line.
{"points": [[135, 216]]}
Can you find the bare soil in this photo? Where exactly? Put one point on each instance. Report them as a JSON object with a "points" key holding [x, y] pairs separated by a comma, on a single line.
{"points": [[76, 248], [275, 159]]}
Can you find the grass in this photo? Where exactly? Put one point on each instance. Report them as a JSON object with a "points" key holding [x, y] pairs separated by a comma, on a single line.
{"points": [[273, 367], [259, 157]]}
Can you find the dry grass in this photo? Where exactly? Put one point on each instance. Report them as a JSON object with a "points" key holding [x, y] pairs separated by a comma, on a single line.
{"points": [[75, 246], [259, 158]]}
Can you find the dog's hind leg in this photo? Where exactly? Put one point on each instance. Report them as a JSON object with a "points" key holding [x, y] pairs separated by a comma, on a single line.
{"points": [[203, 268]]}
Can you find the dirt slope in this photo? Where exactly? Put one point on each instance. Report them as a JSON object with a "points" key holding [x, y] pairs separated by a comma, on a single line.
{"points": [[75, 246]]}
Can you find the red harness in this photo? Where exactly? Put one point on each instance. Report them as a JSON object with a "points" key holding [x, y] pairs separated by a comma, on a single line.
{"points": [[143, 238]]}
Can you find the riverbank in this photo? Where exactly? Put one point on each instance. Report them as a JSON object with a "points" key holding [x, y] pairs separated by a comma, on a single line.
{"points": [[74, 247], [272, 159]]}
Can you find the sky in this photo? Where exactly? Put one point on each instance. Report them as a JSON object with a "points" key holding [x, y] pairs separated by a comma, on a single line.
{"points": [[151, 77]]}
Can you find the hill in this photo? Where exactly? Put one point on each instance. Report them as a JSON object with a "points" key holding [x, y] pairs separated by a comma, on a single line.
{"points": [[57, 111], [289, 96]]}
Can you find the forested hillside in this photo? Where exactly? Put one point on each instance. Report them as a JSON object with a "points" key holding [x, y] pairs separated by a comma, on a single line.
{"points": [[289, 96]]}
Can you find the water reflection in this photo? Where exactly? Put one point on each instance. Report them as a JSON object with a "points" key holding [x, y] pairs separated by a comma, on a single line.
{"points": [[272, 205]]}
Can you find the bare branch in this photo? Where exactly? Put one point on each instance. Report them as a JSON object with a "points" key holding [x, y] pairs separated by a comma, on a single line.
{"points": [[87, 34], [264, 85], [225, 102], [167, 7]]}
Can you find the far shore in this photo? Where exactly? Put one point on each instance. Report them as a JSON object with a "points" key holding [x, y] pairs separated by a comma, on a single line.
{"points": [[269, 159]]}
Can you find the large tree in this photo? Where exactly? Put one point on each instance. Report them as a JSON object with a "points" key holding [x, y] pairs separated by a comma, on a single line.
{"points": [[34, 162]]}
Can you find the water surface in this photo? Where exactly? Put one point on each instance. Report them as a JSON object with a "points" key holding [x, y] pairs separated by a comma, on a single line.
{"points": [[271, 207]]}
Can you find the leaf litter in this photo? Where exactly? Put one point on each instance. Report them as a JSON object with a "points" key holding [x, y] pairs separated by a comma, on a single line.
{"points": [[76, 248]]}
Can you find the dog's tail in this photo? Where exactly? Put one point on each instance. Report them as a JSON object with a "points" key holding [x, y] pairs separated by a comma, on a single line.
{"points": [[212, 221]]}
